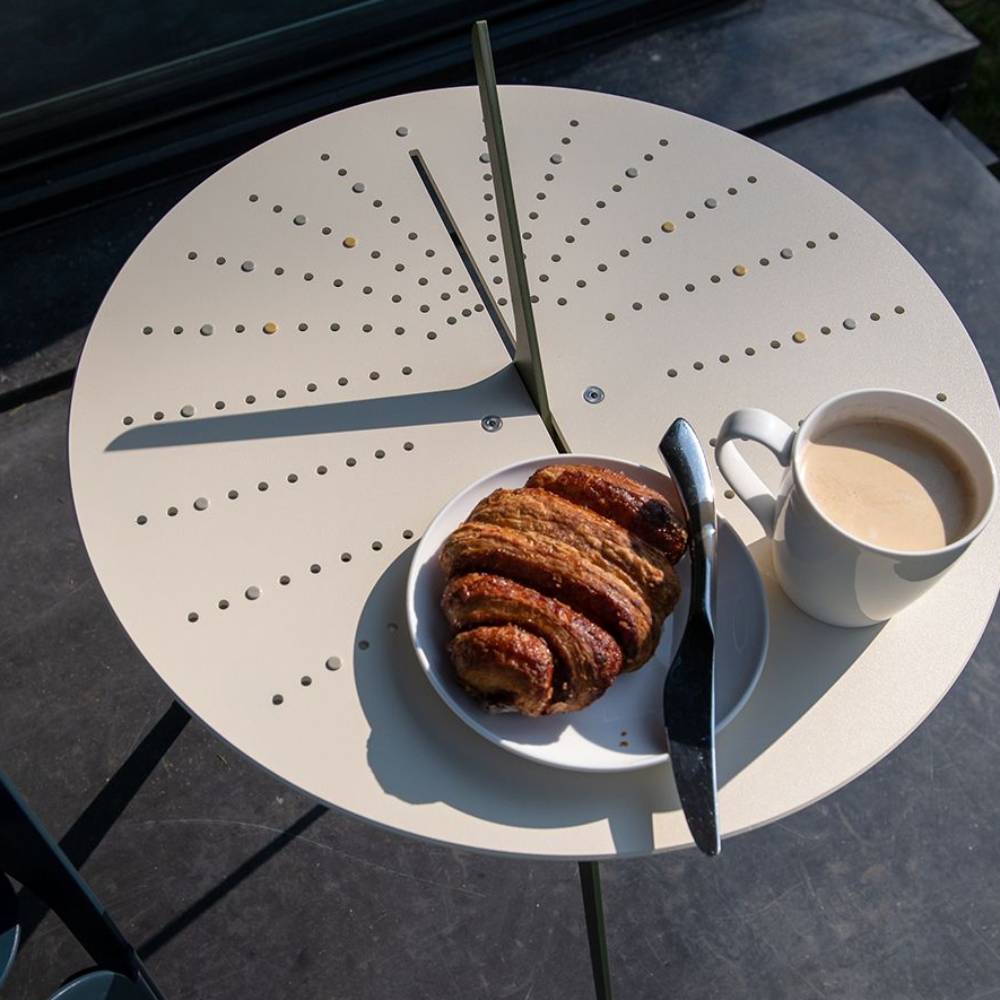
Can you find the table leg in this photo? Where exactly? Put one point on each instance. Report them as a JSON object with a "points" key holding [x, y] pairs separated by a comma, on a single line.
{"points": [[593, 908]]}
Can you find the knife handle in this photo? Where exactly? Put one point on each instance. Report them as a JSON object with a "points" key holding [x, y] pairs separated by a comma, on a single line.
{"points": [[685, 458]]}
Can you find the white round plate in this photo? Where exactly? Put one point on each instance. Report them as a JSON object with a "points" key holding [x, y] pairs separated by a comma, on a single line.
{"points": [[623, 729]]}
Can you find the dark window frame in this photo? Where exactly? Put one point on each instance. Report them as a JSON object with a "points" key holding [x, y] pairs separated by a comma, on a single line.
{"points": [[183, 115]]}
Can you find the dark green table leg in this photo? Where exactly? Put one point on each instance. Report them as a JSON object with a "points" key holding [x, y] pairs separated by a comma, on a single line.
{"points": [[593, 908]]}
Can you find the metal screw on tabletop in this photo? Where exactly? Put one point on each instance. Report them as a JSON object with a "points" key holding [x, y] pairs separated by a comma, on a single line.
{"points": [[593, 394], [492, 423]]}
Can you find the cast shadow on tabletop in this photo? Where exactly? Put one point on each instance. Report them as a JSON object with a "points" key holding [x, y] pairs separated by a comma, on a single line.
{"points": [[421, 752], [805, 659], [499, 393]]}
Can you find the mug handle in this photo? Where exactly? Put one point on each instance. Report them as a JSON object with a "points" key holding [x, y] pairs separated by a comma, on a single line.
{"points": [[768, 430]]}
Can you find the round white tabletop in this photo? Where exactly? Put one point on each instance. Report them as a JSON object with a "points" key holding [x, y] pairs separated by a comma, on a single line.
{"points": [[288, 379]]}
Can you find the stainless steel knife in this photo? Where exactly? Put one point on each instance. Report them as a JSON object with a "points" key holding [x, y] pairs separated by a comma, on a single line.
{"points": [[689, 690]]}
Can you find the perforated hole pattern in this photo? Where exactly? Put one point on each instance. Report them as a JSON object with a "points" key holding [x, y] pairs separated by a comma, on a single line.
{"points": [[277, 326]]}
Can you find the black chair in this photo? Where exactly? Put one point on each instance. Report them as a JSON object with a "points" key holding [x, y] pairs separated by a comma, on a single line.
{"points": [[30, 855], [101, 986], [10, 929]]}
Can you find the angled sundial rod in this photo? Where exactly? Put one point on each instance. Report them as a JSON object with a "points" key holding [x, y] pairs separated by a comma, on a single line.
{"points": [[527, 358]]}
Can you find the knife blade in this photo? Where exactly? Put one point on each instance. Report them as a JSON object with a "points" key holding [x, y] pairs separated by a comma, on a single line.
{"points": [[689, 689]]}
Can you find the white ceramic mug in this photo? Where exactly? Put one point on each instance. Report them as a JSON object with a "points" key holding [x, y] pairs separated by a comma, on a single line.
{"points": [[827, 572]]}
